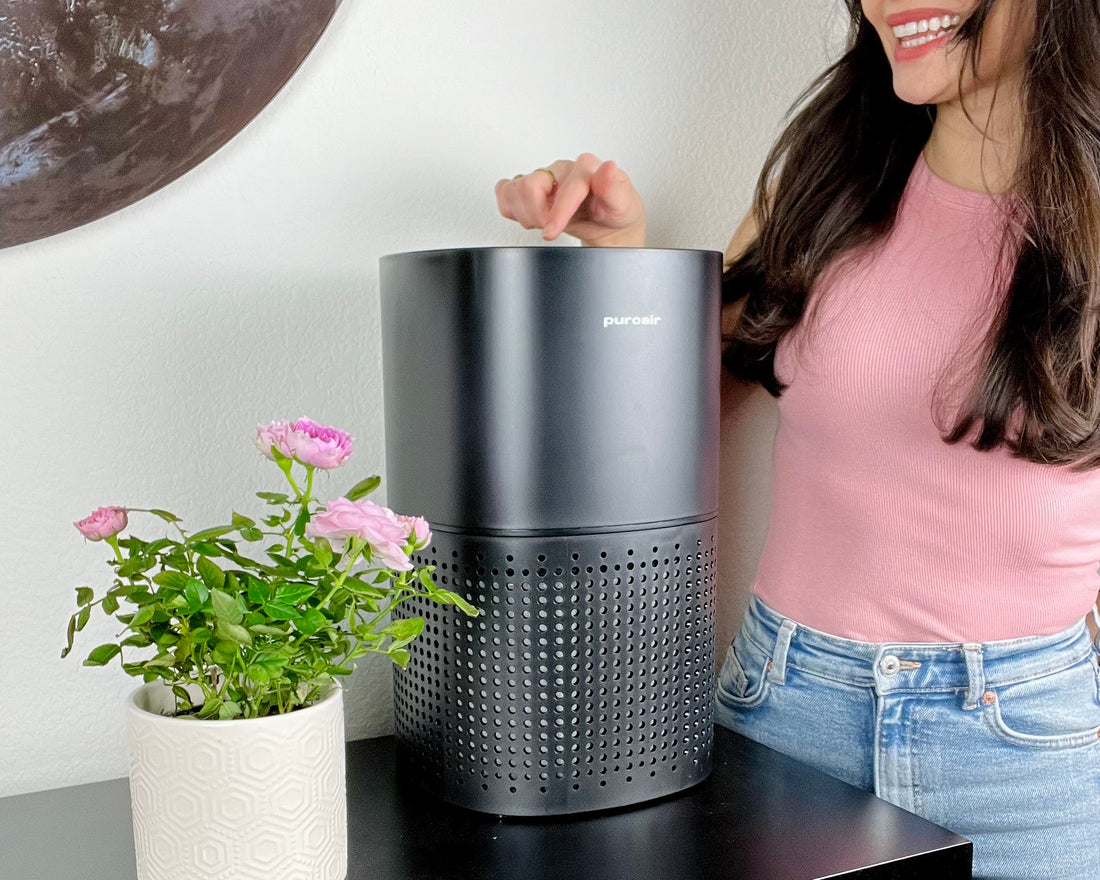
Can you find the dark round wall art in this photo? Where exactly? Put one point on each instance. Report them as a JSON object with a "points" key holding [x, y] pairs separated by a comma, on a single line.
{"points": [[105, 101]]}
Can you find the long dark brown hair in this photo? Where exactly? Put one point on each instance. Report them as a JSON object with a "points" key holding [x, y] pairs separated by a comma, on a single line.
{"points": [[834, 180]]}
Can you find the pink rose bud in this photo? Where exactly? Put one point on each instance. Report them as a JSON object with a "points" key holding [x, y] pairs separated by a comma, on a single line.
{"points": [[370, 522], [420, 535], [275, 435], [319, 445], [103, 522]]}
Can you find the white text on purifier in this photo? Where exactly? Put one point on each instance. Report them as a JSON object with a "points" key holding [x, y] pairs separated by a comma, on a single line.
{"points": [[630, 320]]}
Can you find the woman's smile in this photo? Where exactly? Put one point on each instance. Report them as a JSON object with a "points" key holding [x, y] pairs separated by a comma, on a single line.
{"points": [[921, 31]]}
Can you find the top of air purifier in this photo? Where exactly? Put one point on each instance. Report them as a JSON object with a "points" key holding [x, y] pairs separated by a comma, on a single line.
{"points": [[552, 389]]}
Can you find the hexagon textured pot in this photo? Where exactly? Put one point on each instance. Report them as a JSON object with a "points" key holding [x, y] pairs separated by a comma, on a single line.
{"points": [[247, 799]]}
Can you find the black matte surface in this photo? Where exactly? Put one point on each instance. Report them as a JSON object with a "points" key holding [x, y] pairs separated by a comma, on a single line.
{"points": [[511, 407], [760, 816]]}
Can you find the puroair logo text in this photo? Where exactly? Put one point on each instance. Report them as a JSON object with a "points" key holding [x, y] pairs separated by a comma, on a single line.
{"points": [[631, 320]]}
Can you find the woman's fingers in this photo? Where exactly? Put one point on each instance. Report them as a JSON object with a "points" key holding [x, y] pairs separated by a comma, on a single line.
{"points": [[586, 198], [526, 197], [570, 194]]}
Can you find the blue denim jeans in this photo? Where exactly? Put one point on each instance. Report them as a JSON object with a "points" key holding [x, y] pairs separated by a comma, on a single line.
{"points": [[998, 741]]}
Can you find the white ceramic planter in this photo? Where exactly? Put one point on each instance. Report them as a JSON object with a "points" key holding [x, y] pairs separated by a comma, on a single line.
{"points": [[248, 799]]}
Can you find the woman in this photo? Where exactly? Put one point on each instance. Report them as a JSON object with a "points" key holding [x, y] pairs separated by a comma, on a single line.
{"points": [[919, 284]]}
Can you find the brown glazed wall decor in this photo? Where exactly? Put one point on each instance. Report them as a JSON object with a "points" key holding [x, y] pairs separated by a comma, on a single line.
{"points": [[105, 101]]}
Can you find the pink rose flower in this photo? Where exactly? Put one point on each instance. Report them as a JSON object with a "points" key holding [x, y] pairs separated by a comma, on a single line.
{"points": [[420, 535], [277, 435], [370, 522], [306, 442], [103, 522], [320, 445]]}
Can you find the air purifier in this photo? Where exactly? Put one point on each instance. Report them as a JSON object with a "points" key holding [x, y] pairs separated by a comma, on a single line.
{"points": [[553, 413]]}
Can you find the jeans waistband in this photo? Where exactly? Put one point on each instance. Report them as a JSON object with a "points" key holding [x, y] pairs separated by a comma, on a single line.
{"points": [[921, 666]]}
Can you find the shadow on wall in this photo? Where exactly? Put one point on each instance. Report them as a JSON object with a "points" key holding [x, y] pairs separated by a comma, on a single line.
{"points": [[749, 419]]}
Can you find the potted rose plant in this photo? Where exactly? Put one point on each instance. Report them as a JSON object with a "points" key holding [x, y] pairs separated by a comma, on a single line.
{"points": [[241, 633]]}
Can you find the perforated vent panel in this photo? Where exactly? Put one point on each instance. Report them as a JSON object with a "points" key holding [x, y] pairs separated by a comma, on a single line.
{"points": [[587, 682]]}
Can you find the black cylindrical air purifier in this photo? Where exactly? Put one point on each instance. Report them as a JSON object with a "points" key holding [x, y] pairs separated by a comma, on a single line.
{"points": [[553, 413]]}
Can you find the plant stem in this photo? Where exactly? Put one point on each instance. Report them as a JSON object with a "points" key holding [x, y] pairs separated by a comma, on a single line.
{"points": [[113, 541]]}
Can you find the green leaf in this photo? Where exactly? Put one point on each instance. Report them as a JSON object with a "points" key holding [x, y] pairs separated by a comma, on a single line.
{"points": [[322, 551], [210, 573], [183, 699], [359, 588], [84, 595], [234, 632], [224, 652], [164, 661], [278, 611], [294, 594], [207, 534], [82, 617], [300, 522], [229, 709], [252, 534], [258, 673], [311, 621], [273, 497], [404, 631], [69, 637], [196, 594], [110, 604], [135, 565], [242, 522], [137, 640], [226, 607], [425, 577], [140, 596], [363, 487], [258, 591], [262, 629], [174, 580], [143, 616], [400, 657], [166, 516], [102, 655], [209, 548], [201, 635], [283, 561], [446, 597]]}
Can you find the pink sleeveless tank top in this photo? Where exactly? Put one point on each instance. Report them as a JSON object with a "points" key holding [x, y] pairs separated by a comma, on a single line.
{"points": [[879, 530]]}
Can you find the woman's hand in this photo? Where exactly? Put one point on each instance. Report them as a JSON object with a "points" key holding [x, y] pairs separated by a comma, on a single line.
{"points": [[588, 199]]}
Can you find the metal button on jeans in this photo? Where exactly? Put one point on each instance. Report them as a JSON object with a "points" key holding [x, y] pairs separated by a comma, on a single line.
{"points": [[889, 665]]}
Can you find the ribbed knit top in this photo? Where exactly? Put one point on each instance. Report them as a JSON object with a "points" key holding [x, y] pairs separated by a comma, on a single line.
{"points": [[879, 530]]}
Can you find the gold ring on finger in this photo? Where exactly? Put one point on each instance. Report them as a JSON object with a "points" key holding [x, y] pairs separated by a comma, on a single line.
{"points": [[553, 179]]}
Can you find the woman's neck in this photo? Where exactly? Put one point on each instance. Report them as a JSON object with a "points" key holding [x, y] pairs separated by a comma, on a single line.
{"points": [[977, 147]]}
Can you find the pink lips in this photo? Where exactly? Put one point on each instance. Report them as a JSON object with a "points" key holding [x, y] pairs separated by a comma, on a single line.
{"points": [[912, 53]]}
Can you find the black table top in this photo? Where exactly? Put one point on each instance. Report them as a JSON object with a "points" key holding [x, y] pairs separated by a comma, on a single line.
{"points": [[760, 816]]}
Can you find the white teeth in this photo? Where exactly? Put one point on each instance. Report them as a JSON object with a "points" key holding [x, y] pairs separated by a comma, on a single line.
{"points": [[933, 27]]}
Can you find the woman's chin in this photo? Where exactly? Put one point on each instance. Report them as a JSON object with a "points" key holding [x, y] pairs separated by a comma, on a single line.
{"points": [[916, 93]]}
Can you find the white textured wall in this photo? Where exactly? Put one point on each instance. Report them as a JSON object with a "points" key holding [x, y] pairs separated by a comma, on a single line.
{"points": [[138, 353]]}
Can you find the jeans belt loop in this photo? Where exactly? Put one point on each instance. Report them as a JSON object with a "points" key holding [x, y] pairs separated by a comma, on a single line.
{"points": [[975, 675], [777, 669]]}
